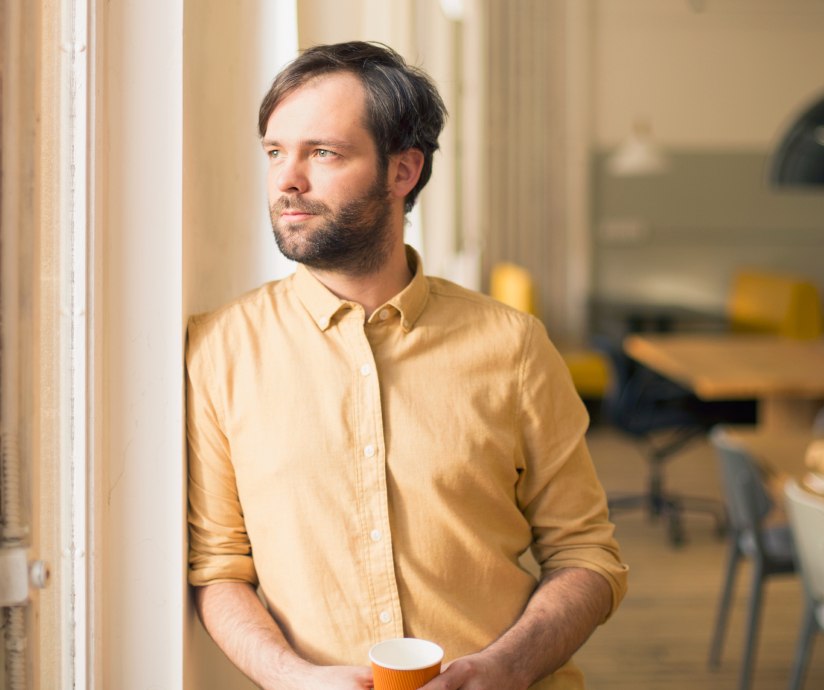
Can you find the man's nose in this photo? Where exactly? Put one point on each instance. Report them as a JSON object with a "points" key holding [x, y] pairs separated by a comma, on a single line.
{"points": [[291, 176]]}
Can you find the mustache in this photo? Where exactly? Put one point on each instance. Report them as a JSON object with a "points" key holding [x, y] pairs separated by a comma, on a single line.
{"points": [[286, 203]]}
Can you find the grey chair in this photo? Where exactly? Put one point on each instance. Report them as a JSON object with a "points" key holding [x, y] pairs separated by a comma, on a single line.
{"points": [[769, 548], [806, 513]]}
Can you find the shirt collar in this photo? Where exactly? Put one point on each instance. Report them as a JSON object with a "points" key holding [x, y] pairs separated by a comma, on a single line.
{"points": [[323, 305], [411, 301]]}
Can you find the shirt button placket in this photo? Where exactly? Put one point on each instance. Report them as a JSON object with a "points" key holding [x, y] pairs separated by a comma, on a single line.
{"points": [[376, 536], [381, 571]]}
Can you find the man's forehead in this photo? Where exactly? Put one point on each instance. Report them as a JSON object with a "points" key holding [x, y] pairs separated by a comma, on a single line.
{"points": [[334, 100], [331, 86]]}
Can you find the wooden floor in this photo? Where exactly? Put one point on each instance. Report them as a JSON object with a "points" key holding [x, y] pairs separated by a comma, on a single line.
{"points": [[660, 636]]}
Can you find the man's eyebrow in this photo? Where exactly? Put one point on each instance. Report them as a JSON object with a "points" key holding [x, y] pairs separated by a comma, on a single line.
{"points": [[319, 143]]}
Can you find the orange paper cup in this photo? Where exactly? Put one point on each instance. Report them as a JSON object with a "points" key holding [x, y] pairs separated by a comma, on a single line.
{"points": [[404, 663]]}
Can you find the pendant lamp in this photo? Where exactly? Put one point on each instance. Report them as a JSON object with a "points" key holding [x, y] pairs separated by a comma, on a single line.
{"points": [[798, 161], [637, 155]]}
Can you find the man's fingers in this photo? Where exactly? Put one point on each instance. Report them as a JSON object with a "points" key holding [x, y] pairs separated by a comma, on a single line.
{"points": [[451, 679]]}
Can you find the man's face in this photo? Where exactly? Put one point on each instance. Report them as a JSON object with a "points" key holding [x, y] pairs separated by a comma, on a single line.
{"points": [[328, 196]]}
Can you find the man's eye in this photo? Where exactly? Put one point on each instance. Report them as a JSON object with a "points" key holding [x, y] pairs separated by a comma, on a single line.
{"points": [[274, 153], [325, 153]]}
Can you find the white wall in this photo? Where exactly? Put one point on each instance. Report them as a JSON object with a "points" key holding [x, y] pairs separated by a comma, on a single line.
{"points": [[727, 77], [140, 588]]}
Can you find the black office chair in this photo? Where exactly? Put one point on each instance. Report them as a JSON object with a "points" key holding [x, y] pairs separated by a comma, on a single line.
{"points": [[769, 548], [664, 418]]}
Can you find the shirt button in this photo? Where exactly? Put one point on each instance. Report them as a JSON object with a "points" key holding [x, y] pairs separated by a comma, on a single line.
{"points": [[405, 323], [365, 370], [375, 534], [369, 451], [323, 323], [384, 314], [385, 617]]}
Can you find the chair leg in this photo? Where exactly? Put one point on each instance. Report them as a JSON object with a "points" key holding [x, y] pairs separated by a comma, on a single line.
{"points": [[723, 615], [802, 650], [753, 618], [675, 528], [674, 506], [657, 500]]}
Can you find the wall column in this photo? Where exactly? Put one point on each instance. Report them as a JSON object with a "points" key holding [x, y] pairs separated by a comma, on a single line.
{"points": [[531, 207]]}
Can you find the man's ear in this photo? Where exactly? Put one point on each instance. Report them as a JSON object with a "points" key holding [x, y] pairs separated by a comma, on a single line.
{"points": [[405, 171]]}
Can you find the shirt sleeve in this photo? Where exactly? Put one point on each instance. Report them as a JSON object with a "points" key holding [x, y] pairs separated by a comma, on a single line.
{"points": [[558, 490], [219, 548]]}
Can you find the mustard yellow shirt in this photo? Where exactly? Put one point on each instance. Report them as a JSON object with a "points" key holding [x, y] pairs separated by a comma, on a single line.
{"points": [[381, 478]]}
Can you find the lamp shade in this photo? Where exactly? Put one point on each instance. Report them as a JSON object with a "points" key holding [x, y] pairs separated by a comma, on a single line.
{"points": [[799, 158], [637, 155]]}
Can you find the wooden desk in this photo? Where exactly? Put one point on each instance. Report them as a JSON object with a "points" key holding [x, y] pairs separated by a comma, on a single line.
{"points": [[785, 376]]}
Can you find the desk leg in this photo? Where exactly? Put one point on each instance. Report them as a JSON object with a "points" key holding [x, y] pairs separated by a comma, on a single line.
{"points": [[783, 414]]}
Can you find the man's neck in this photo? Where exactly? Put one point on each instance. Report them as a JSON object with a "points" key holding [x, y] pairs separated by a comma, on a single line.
{"points": [[373, 290]]}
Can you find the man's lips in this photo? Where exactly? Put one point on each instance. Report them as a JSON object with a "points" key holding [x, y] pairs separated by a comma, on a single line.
{"points": [[288, 210], [293, 215]]}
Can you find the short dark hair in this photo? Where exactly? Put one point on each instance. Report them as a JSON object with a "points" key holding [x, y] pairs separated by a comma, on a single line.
{"points": [[403, 107]]}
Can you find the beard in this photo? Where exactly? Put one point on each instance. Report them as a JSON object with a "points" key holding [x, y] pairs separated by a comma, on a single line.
{"points": [[355, 240]]}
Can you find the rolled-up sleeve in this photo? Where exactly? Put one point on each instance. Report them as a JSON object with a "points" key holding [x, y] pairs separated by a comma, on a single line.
{"points": [[559, 491], [219, 548]]}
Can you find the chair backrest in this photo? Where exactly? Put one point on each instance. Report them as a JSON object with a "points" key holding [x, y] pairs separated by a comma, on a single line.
{"points": [[806, 513], [638, 400], [513, 285], [748, 502], [764, 302]]}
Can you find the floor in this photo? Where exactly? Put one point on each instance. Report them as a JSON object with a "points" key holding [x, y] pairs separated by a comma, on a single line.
{"points": [[659, 638]]}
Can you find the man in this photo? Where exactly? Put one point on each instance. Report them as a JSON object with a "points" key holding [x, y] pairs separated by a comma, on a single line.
{"points": [[371, 450]]}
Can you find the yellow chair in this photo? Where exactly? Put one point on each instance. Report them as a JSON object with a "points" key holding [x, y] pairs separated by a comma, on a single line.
{"points": [[590, 370], [764, 302], [513, 285]]}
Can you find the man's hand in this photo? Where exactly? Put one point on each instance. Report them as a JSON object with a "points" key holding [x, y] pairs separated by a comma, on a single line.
{"points": [[332, 678], [477, 672], [235, 617], [562, 612]]}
